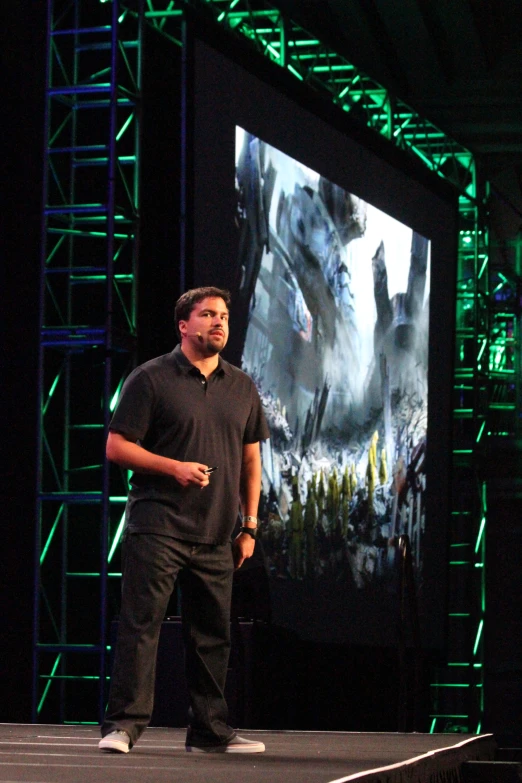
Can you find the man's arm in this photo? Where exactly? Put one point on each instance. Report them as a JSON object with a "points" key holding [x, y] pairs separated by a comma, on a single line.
{"points": [[132, 456], [250, 491]]}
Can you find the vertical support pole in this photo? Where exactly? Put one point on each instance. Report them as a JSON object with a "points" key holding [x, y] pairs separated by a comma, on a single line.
{"points": [[88, 331]]}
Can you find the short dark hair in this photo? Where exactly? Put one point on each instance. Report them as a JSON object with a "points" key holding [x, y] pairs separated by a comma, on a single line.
{"points": [[190, 299]]}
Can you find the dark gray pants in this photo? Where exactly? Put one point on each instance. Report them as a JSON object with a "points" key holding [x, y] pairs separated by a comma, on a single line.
{"points": [[151, 564]]}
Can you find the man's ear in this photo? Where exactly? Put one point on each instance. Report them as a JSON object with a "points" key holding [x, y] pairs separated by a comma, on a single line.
{"points": [[182, 326]]}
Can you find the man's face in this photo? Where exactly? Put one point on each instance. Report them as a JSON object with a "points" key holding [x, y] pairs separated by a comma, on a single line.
{"points": [[206, 330]]}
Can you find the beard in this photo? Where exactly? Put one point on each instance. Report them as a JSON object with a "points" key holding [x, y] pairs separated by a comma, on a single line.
{"points": [[213, 343]]}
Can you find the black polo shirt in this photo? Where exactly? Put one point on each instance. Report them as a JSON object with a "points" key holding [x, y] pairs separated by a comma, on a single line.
{"points": [[168, 407]]}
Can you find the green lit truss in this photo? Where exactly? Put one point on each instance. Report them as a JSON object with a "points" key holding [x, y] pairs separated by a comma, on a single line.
{"points": [[503, 352], [70, 234], [88, 327]]}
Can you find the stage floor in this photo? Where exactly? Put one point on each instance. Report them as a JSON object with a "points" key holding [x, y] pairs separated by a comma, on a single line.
{"points": [[69, 754]]}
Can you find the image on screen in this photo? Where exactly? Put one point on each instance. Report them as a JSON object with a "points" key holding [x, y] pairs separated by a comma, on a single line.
{"points": [[337, 336]]}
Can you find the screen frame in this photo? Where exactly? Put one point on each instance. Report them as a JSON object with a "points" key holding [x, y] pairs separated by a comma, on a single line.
{"points": [[227, 84]]}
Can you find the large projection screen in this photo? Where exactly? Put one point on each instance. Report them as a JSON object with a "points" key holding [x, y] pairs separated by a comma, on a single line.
{"points": [[341, 266]]}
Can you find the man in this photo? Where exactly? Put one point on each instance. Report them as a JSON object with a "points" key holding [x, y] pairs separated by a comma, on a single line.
{"points": [[188, 424]]}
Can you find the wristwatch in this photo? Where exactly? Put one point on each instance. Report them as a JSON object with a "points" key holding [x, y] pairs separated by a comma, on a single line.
{"points": [[250, 531]]}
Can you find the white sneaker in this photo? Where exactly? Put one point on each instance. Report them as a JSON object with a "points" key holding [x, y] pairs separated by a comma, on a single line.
{"points": [[115, 742], [235, 745]]}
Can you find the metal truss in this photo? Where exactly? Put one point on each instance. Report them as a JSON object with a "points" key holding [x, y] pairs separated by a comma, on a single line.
{"points": [[88, 325], [312, 62], [458, 690], [88, 329], [504, 357]]}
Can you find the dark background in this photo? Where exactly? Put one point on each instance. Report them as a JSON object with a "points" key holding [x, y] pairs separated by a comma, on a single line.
{"points": [[458, 62]]}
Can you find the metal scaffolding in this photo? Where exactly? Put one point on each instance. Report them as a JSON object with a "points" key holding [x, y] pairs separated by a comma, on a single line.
{"points": [[88, 331], [458, 690], [88, 324]]}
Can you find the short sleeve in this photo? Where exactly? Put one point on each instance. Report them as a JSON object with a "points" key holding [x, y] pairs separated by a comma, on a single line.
{"points": [[257, 427], [133, 413]]}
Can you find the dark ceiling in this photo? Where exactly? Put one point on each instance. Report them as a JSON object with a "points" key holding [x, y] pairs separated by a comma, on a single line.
{"points": [[457, 62]]}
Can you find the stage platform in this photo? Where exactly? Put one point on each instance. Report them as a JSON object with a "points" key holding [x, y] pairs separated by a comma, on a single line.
{"points": [[69, 754]]}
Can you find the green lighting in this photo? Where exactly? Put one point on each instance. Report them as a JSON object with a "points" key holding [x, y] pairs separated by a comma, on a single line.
{"points": [[401, 127], [479, 634], [84, 233], [48, 684], [459, 614], [117, 537], [331, 68], [433, 724], [480, 534], [479, 727], [164, 15], [91, 574], [230, 8], [296, 73], [51, 535], [55, 384], [124, 126], [115, 396], [69, 677], [310, 42], [481, 431], [482, 268], [448, 715]]}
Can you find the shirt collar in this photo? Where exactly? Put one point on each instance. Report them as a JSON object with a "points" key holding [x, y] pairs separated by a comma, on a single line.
{"points": [[186, 366]]}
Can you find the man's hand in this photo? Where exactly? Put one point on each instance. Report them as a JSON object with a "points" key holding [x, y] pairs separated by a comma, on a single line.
{"points": [[133, 456], [187, 473], [242, 549]]}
